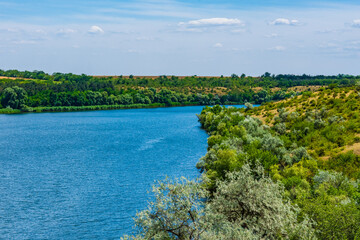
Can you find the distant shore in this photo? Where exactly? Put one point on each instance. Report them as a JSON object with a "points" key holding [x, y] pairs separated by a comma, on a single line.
{"points": [[99, 107]]}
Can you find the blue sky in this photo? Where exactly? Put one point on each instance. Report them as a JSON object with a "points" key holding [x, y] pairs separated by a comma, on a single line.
{"points": [[156, 37]]}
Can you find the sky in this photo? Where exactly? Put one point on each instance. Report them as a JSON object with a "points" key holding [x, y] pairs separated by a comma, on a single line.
{"points": [[181, 37]]}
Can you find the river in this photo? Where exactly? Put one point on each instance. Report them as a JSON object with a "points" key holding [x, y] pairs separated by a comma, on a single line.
{"points": [[84, 175]]}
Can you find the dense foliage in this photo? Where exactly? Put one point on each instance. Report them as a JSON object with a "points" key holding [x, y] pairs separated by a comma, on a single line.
{"points": [[69, 90], [310, 146], [285, 170], [248, 205]]}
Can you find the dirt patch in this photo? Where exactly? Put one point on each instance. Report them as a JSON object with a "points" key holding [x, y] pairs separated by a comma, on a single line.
{"points": [[349, 93], [155, 77], [12, 78], [355, 147], [15, 78], [257, 89], [275, 89], [217, 91], [304, 88], [324, 158], [263, 120]]}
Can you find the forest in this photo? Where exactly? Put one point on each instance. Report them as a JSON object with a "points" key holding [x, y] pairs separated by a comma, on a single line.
{"points": [[36, 91], [285, 170]]}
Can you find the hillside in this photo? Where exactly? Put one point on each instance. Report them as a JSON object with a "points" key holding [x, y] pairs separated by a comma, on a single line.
{"points": [[335, 117], [284, 170], [308, 143]]}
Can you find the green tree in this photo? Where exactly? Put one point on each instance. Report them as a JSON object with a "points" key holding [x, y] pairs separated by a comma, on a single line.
{"points": [[14, 97], [249, 105], [254, 202], [246, 206]]}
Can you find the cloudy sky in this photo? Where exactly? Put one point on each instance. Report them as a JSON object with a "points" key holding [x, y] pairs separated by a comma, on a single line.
{"points": [[181, 37]]}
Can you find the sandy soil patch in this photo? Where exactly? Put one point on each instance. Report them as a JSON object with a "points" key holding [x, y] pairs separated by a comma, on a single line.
{"points": [[304, 88]]}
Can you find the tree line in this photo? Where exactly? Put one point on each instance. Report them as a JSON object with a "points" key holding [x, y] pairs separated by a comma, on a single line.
{"points": [[265, 80], [38, 89]]}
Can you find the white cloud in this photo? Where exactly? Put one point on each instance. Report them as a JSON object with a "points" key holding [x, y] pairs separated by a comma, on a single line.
{"points": [[272, 35], [65, 31], [356, 23], [12, 30], [201, 24], [239, 30], [216, 22], [278, 48], [145, 39], [20, 42], [285, 21], [218, 45], [133, 51], [331, 31], [346, 48], [40, 31], [95, 30]]}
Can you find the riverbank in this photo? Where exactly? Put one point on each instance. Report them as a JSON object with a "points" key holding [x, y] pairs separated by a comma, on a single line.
{"points": [[98, 107]]}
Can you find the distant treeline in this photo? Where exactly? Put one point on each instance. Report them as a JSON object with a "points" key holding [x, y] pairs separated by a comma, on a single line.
{"points": [[25, 90], [266, 80]]}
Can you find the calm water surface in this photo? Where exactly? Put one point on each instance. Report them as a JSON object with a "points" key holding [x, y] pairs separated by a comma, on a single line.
{"points": [[84, 175]]}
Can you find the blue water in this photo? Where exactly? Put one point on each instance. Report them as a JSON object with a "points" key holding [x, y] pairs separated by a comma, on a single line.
{"points": [[84, 175]]}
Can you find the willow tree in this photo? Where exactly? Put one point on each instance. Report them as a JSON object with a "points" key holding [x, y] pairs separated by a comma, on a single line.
{"points": [[14, 97], [248, 205]]}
